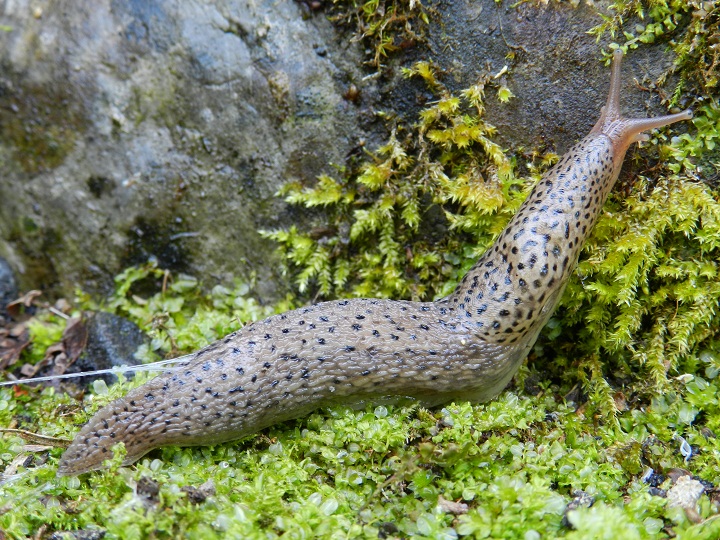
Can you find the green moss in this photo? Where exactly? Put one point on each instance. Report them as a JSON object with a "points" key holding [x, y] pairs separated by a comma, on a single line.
{"points": [[385, 26], [175, 311], [415, 217], [515, 462], [45, 330]]}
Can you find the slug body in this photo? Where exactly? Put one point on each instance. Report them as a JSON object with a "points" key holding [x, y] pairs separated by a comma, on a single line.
{"points": [[465, 346]]}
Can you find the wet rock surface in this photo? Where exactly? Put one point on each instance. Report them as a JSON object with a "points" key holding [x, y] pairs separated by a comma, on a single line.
{"points": [[554, 72], [163, 129], [111, 341], [8, 287]]}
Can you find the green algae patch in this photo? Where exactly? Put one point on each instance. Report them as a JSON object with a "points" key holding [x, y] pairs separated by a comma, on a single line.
{"points": [[41, 125], [384, 27]]}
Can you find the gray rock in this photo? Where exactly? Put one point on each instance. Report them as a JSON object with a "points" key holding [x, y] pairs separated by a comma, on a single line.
{"points": [[160, 128], [78, 535], [685, 493], [8, 286], [555, 75], [111, 341], [581, 499]]}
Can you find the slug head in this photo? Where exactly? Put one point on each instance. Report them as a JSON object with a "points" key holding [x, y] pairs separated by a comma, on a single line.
{"points": [[622, 131]]}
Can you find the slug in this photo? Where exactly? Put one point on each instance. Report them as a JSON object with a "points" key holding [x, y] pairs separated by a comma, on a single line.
{"points": [[466, 346]]}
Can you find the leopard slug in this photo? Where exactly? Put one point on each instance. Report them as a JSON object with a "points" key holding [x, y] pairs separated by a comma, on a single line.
{"points": [[466, 346]]}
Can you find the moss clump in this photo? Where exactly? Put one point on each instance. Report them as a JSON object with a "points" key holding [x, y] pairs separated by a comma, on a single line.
{"points": [[416, 216], [646, 292], [384, 26]]}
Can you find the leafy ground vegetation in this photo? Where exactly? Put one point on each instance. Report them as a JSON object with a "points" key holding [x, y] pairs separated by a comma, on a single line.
{"points": [[617, 401]]}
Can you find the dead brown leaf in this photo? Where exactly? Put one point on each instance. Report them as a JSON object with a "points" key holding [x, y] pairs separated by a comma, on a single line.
{"points": [[28, 370], [54, 349], [61, 355], [74, 338], [620, 401], [15, 308], [11, 346]]}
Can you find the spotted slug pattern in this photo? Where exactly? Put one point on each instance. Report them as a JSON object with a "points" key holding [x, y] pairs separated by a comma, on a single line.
{"points": [[465, 346]]}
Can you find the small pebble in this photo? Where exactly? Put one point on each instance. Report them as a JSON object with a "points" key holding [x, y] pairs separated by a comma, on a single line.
{"points": [[685, 493]]}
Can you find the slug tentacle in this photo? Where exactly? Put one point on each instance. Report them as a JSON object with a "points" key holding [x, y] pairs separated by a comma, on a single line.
{"points": [[465, 346], [625, 131]]}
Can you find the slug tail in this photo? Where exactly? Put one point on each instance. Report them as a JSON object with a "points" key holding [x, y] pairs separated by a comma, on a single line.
{"points": [[133, 420]]}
